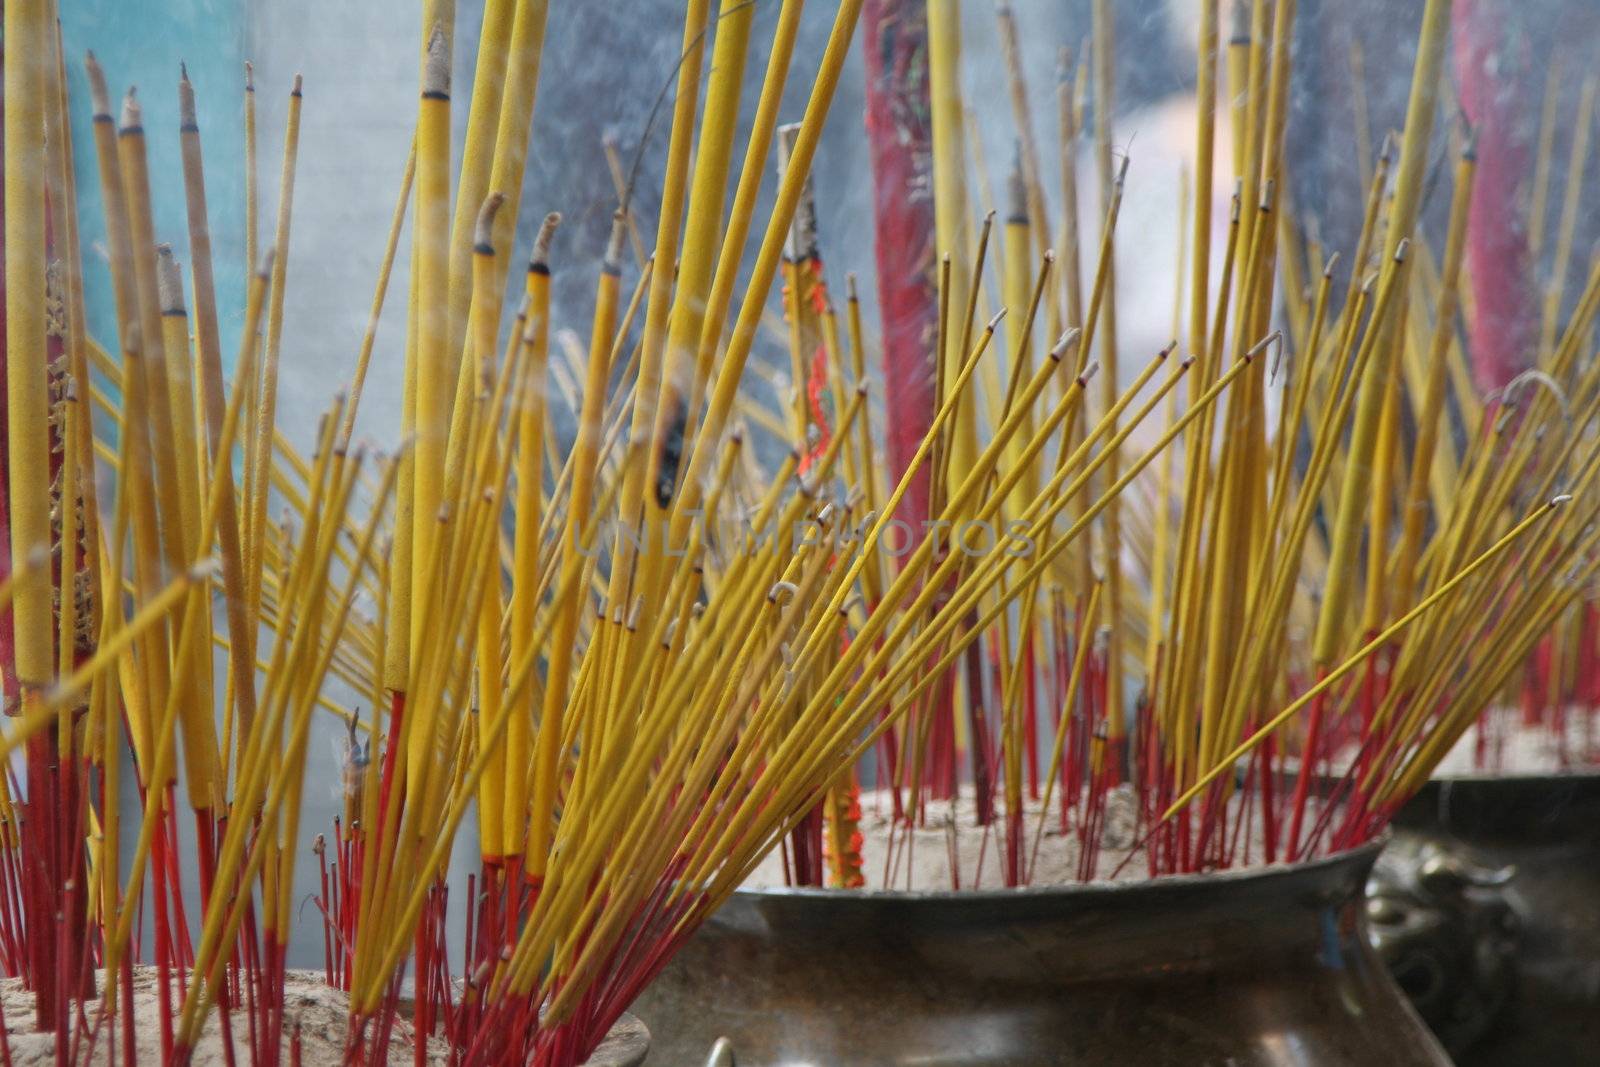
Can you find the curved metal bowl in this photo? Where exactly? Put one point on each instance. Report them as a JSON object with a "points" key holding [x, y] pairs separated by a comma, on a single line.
{"points": [[1548, 828], [1250, 968]]}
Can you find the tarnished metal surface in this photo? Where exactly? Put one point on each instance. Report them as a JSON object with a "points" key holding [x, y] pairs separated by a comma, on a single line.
{"points": [[1261, 968], [1548, 828], [1448, 934]]}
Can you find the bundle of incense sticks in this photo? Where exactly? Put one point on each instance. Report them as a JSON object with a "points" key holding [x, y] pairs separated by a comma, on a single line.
{"points": [[635, 657], [638, 659], [1283, 626]]}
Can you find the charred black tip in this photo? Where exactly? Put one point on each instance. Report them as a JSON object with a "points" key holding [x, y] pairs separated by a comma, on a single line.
{"points": [[671, 453]]}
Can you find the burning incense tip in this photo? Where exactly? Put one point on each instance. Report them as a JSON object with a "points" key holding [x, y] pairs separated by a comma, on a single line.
{"points": [[788, 589], [132, 113], [299, 83], [994, 322], [1065, 343], [1539, 377], [1273, 338], [1240, 22], [436, 71], [483, 233], [1327, 269], [205, 570], [547, 233], [1559, 499], [1089, 372], [619, 228], [169, 282]]}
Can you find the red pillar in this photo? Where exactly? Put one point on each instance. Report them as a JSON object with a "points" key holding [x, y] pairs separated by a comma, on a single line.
{"points": [[1501, 95], [900, 136]]}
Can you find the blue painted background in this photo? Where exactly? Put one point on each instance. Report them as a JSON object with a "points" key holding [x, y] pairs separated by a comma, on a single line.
{"points": [[140, 43]]}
